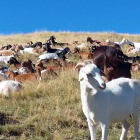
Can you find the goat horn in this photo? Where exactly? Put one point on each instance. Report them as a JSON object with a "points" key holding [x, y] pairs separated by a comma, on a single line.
{"points": [[80, 64]]}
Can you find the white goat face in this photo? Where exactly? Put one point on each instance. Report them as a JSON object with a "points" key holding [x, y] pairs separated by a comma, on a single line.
{"points": [[129, 42], [90, 75]]}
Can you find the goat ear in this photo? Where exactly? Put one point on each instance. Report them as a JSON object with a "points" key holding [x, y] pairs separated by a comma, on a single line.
{"points": [[81, 77], [103, 74]]}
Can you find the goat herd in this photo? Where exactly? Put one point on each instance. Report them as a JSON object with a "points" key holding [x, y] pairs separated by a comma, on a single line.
{"points": [[112, 99]]}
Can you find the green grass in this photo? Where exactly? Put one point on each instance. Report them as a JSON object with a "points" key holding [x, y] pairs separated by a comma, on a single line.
{"points": [[51, 109]]}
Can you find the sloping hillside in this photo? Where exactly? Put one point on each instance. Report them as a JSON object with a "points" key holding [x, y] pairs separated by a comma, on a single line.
{"points": [[51, 109]]}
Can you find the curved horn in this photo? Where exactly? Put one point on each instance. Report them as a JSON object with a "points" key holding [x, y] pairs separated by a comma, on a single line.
{"points": [[82, 64]]}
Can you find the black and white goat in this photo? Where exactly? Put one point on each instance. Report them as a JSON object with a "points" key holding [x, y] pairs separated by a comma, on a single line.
{"points": [[52, 41], [55, 55]]}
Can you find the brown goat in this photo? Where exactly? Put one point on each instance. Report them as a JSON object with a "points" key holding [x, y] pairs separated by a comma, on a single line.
{"points": [[22, 77], [111, 61], [39, 67], [54, 68], [83, 55], [7, 53], [39, 50], [28, 64], [48, 71], [65, 66]]}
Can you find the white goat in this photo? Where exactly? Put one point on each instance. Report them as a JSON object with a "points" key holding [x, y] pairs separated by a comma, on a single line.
{"points": [[121, 43], [55, 55], [136, 44], [28, 50], [5, 59], [48, 56], [6, 87], [103, 103]]}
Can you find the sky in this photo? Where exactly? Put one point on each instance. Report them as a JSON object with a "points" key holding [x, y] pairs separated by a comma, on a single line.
{"points": [[26, 16]]}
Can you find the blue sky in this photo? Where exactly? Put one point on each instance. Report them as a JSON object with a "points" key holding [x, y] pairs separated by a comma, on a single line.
{"points": [[25, 16]]}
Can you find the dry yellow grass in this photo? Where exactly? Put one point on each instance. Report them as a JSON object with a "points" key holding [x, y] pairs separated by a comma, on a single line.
{"points": [[51, 109]]}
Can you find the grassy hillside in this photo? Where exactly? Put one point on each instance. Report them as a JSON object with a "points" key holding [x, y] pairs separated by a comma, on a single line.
{"points": [[51, 109]]}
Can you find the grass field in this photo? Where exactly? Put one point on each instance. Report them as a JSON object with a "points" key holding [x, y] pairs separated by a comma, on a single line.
{"points": [[51, 109]]}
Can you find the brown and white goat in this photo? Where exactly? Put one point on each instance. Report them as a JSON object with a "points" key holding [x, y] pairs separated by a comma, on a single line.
{"points": [[103, 43], [25, 77], [33, 50], [34, 45], [17, 48], [25, 67], [53, 43], [81, 46], [135, 67]]}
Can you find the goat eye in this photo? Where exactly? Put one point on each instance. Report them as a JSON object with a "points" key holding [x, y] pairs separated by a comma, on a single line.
{"points": [[88, 74], [101, 73]]}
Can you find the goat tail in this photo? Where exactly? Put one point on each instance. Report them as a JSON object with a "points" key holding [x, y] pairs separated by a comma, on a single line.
{"points": [[137, 87]]}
